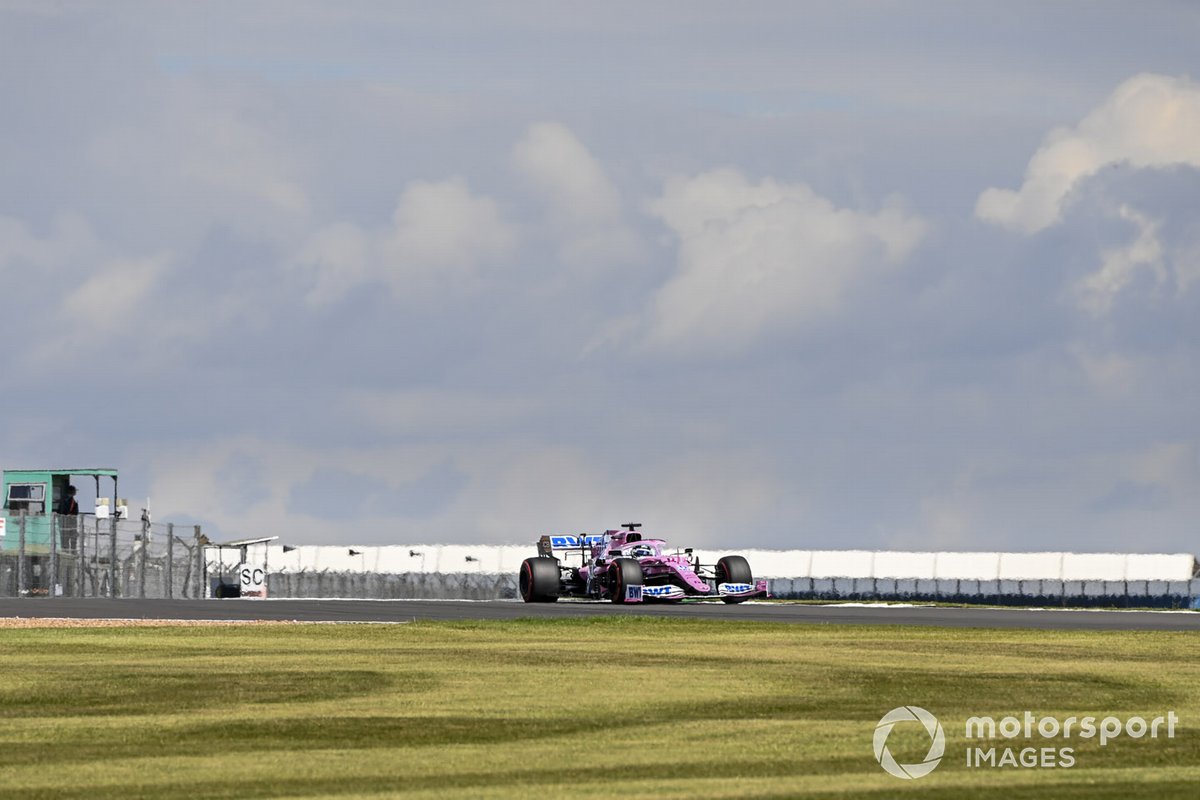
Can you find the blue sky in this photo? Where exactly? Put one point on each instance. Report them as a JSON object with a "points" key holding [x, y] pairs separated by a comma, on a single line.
{"points": [[886, 275]]}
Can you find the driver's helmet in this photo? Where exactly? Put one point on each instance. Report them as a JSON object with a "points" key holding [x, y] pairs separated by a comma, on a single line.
{"points": [[641, 550]]}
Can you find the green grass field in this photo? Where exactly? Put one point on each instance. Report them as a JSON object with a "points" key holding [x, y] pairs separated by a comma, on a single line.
{"points": [[636, 707]]}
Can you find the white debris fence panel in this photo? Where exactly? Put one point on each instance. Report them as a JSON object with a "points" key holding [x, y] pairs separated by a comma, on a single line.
{"points": [[814, 564]]}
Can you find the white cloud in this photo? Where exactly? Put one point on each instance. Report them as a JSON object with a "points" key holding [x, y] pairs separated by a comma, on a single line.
{"points": [[756, 257], [1108, 372], [442, 234], [1148, 121], [109, 307], [232, 155], [245, 485], [106, 301], [444, 227], [689, 495], [513, 490], [560, 166], [1098, 291], [98, 293], [583, 205], [1174, 466], [335, 258], [219, 156], [187, 482]]}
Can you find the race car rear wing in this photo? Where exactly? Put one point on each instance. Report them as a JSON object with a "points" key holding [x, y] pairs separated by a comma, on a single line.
{"points": [[548, 544]]}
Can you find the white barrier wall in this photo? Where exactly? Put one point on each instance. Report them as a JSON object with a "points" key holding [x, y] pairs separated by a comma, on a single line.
{"points": [[822, 564], [397, 559], [1150, 567], [968, 566], [903, 565], [1034, 566]]}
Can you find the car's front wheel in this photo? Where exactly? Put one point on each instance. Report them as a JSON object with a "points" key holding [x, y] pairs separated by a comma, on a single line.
{"points": [[624, 572], [734, 569]]}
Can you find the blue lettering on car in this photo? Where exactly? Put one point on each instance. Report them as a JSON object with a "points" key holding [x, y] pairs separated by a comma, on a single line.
{"points": [[567, 542]]}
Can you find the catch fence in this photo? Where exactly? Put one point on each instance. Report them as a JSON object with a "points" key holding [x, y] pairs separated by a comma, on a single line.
{"points": [[52, 555]]}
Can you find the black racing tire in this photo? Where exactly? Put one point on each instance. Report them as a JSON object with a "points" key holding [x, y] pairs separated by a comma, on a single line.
{"points": [[734, 569], [539, 580], [623, 572]]}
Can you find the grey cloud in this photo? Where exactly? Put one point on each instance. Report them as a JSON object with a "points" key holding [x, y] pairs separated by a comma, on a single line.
{"points": [[185, 162], [346, 497]]}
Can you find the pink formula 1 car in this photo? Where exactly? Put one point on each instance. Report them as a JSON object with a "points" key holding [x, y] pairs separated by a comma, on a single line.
{"points": [[625, 567]]}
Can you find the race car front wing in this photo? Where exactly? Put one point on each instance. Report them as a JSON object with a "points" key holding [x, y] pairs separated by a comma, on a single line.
{"points": [[744, 591]]}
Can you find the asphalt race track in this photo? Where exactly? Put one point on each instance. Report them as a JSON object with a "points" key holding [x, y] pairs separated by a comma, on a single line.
{"points": [[413, 610]]}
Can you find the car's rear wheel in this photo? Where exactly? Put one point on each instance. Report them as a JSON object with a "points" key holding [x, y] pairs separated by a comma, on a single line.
{"points": [[623, 572], [539, 581], [734, 569]]}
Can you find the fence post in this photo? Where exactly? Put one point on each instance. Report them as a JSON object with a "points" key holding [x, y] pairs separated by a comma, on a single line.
{"points": [[112, 556], [199, 588], [21, 555], [142, 559], [96, 560], [55, 531], [169, 577], [80, 551]]}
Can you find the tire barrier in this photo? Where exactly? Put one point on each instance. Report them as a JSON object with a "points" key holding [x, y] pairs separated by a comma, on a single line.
{"points": [[492, 586], [1045, 593], [393, 586]]}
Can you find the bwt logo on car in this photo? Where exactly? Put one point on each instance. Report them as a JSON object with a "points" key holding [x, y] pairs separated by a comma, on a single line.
{"points": [[563, 542]]}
